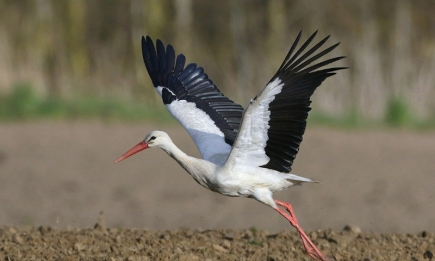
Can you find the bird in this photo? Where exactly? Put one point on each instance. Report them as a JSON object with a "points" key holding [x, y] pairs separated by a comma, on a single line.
{"points": [[246, 152]]}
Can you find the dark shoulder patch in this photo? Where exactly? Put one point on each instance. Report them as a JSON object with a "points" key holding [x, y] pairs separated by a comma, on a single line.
{"points": [[167, 96]]}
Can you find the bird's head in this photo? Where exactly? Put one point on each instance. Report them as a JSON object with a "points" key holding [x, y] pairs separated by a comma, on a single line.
{"points": [[153, 139]]}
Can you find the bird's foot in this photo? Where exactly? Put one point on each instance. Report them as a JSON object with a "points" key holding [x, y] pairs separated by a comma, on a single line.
{"points": [[309, 246]]}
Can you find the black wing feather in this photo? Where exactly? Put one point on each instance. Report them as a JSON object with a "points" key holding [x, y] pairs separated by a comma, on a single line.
{"points": [[289, 110], [190, 83]]}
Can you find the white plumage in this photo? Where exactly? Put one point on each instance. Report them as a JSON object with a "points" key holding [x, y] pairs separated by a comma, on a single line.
{"points": [[206, 135], [247, 152]]}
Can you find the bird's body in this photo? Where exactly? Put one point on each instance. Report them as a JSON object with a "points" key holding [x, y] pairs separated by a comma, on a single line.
{"points": [[228, 179], [245, 153]]}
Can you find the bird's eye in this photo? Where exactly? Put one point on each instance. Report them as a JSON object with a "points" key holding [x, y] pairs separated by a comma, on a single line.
{"points": [[152, 138]]}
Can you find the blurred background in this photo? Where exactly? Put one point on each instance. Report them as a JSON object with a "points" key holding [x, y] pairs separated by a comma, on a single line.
{"points": [[74, 95], [78, 48]]}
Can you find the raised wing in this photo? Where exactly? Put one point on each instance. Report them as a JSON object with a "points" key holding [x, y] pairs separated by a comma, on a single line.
{"points": [[211, 119], [275, 121]]}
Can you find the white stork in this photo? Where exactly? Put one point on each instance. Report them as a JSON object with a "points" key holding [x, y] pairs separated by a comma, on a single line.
{"points": [[245, 153]]}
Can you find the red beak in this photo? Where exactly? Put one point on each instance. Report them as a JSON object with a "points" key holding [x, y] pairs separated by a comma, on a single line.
{"points": [[139, 147]]}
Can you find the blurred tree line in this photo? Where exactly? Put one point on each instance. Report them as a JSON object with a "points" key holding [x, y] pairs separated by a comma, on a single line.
{"points": [[92, 47]]}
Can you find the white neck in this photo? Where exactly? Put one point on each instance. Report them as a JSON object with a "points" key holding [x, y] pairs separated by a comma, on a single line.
{"points": [[201, 170]]}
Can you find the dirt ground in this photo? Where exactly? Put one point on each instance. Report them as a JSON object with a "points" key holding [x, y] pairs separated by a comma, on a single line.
{"points": [[60, 175], [46, 243]]}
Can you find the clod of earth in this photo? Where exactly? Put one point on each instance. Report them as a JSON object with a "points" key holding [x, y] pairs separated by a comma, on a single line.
{"points": [[46, 243]]}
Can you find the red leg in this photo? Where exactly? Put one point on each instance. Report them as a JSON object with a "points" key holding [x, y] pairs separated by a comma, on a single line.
{"points": [[310, 248]]}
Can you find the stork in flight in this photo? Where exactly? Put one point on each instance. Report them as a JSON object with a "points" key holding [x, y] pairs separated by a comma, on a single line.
{"points": [[245, 152]]}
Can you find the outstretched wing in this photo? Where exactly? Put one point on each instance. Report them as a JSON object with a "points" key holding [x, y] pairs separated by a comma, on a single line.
{"points": [[275, 121], [211, 119]]}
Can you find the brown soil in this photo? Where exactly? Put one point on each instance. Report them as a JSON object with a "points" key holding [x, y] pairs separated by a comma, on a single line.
{"points": [[46, 243], [59, 174]]}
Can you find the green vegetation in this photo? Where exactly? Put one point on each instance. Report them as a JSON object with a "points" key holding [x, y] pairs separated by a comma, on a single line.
{"points": [[253, 229], [398, 115], [23, 103], [350, 120]]}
